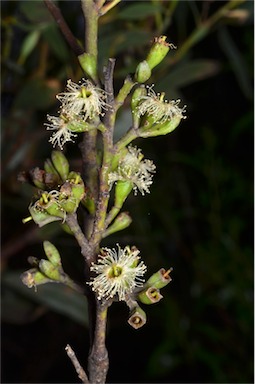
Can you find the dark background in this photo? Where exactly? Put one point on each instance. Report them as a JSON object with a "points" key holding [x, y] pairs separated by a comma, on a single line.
{"points": [[197, 219]]}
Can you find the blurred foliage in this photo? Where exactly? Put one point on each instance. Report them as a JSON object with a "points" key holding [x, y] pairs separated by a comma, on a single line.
{"points": [[197, 219]]}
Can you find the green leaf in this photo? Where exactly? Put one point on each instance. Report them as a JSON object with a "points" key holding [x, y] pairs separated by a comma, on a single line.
{"points": [[35, 11], [28, 45], [35, 94], [139, 11], [54, 296], [189, 72]]}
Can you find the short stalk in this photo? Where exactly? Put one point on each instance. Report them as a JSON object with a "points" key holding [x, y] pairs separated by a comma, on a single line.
{"points": [[131, 135]]}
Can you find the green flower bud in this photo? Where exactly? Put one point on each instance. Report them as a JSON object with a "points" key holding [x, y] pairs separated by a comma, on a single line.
{"points": [[49, 168], [88, 64], [143, 72], [137, 318], [158, 51], [121, 222], [60, 163], [89, 203], [159, 279], [160, 128], [33, 277], [50, 270], [150, 296], [52, 253], [122, 190]]}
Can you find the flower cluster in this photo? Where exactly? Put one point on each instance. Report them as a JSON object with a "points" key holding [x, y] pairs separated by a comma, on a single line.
{"points": [[80, 104], [118, 273], [154, 105], [134, 169]]}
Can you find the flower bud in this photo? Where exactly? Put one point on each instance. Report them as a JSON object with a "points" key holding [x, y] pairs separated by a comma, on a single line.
{"points": [[159, 129], [143, 72], [122, 190], [60, 163], [158, 51], [48, 269], [159, 279], [150, 296], [121, 222], [52, 253], [89, 203], [49, 168], [137, 318], [33, 277], [88, 64]]}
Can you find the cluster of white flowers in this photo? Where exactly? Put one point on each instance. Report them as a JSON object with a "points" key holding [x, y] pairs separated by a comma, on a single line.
{"points": [[134, 169], [118, 272], [153, 104], [80, 103]]}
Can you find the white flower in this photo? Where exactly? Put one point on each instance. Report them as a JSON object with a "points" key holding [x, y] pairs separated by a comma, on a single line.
{"points": [[133, 168], [84, 99], [153, 104], [61, 126], [118, 273]]}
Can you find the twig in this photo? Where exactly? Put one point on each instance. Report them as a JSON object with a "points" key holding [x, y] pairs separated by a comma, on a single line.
{"points": [[109, 120], [86, 249], [108, 6], [98, 358], [70, 39], [80, 371]]}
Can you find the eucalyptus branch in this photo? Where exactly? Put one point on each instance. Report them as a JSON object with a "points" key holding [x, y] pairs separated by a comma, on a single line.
{"points": [[86, 249], [68, 35], [109, 120], [80, 371], [98, 362], [90, 13], [119, 169]]}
